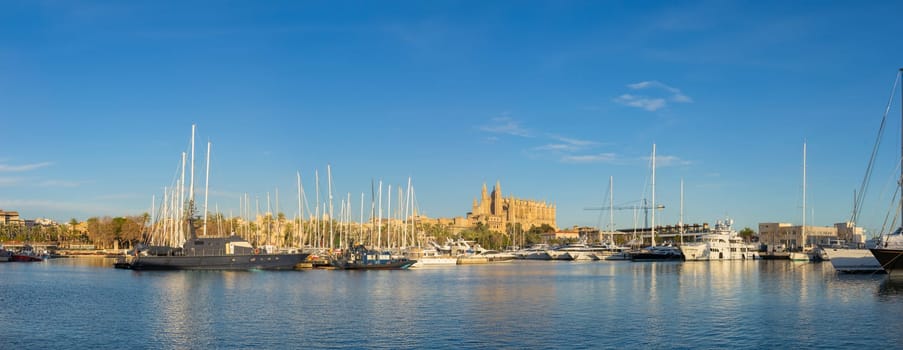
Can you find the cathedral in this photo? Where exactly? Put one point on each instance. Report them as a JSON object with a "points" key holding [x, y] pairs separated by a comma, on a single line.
{"points": [[497, 212]]}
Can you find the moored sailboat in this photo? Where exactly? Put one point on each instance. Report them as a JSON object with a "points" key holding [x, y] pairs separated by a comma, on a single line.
{"points": [[889, 251], [207, 252]]}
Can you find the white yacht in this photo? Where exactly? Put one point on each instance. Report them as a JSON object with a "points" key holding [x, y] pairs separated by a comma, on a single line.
{"points": [[535, 252], [576, 252], [723, 243], [849, 259]]}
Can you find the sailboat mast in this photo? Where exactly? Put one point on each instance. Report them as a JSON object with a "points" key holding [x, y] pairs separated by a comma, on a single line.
{"points": [[329, 186], [803, 229], [206, 187], [191, 188], [300, 212], [379, 218], [611, 211], [653, 195], [900, 75], [181, 204], [680, 222]]}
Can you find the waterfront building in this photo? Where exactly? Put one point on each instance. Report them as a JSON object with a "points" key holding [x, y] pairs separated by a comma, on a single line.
{"points": [[10, 218], [779, 236], [496, 211]]}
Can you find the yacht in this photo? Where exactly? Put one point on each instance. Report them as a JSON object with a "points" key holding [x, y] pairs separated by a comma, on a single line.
{"points": [[723, 243], [851, 259], [576, 252], [535, 252], [890, 248], [436, 255], [889, 252], [666, 252]]}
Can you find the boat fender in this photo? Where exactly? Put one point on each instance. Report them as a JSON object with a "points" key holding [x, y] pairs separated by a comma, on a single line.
{"points": [[256, 250]]}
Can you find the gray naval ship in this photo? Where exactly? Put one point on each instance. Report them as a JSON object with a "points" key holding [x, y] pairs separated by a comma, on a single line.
{"points": [[210, 253]]}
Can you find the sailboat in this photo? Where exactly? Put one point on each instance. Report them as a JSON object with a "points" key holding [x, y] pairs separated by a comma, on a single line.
{"points": [[656, 252], [208, 253], [889, 251], [802, 254]]}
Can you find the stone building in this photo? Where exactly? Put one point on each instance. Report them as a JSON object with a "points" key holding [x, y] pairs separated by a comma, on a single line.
{"points": [[780, 236], [11, 218], [496, 211]]}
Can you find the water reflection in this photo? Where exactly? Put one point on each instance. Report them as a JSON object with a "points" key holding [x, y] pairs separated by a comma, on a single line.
{"points": [[890, 287], [731, 304]]}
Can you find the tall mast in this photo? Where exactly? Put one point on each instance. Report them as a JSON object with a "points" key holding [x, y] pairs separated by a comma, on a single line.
{"points": [[803, 229], [317, 212], [900, 75], [329, 185], [680, 221], [300, 213], [611, 209], [389, 216], [181, 204], [191, 188], [653, 195], [379, 217], [206, 187], [360, 234]]}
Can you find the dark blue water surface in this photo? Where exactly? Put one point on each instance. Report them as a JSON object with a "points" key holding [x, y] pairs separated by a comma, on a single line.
{"points": [[85, 303]]}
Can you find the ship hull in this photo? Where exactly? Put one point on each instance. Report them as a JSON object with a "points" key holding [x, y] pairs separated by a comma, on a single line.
{"points": [[853, 260], [889, 259], [394, 265], [215, 262]]}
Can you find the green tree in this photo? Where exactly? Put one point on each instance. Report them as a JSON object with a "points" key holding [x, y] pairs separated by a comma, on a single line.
{"points": [[747, 234]]}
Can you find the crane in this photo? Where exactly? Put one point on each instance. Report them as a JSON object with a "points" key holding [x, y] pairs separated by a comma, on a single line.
{"points": [[645, 207]]}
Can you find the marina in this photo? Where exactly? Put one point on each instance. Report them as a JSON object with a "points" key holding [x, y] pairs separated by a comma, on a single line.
{"points": [[736, 304]]}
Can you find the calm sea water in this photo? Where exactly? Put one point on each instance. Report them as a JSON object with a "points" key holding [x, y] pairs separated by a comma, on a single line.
{"points": [[85, 303]]}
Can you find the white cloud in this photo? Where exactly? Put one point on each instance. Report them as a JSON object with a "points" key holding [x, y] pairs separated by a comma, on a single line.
{"points": [[20, 168], [505, 125], [649, 104], [9, 181], [590, 158], [575, 142], [666, 161], [652, 103], [560, 147], [58, 183]]}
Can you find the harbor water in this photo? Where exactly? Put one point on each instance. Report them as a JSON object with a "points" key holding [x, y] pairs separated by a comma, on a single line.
{"points": [[85, 303]]}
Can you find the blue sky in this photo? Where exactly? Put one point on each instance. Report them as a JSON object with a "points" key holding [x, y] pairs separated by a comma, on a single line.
{"points": [[550, 98]]}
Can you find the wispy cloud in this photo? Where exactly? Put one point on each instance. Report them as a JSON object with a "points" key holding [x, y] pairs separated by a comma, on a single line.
{"points": [[590, 158], [505, 125], [24, 167], [566, 144], [649, 104], [10, 181], [119, 196], [58, 183], [652, 103], [667, 161]]}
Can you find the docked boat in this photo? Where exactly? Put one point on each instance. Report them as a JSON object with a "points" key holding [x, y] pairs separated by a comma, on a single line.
{"points": [[576, 252], [28, 254], [665, 252], [205, 252], [658, 253], [889, 251], [361, 258], [212, 253], [535, 252], [723, 243], [853, 260], [436, 260]]}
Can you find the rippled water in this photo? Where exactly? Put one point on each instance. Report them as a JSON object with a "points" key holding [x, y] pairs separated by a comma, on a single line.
{"points": [[85, 303]]}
